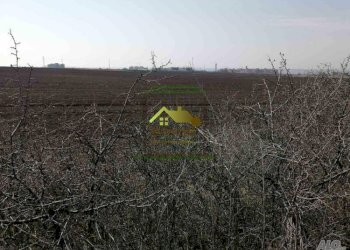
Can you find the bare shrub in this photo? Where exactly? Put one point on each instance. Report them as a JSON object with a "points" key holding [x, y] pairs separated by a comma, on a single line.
{"points": [[279, 180], [286, 158]]}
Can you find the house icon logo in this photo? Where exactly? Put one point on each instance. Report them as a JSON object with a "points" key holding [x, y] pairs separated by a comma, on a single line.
{"points": [[179, 116]]}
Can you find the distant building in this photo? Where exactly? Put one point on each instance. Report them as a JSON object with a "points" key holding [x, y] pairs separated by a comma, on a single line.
{"points": [[137, 68], [176, 69], [56, 65], [246, 70]]}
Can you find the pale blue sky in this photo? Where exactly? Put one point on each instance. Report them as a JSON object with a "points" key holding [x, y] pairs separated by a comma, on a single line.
{"points": [[233, 33]]}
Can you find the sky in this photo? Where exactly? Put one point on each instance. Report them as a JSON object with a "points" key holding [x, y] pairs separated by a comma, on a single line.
{"points": [[231, 33]]}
